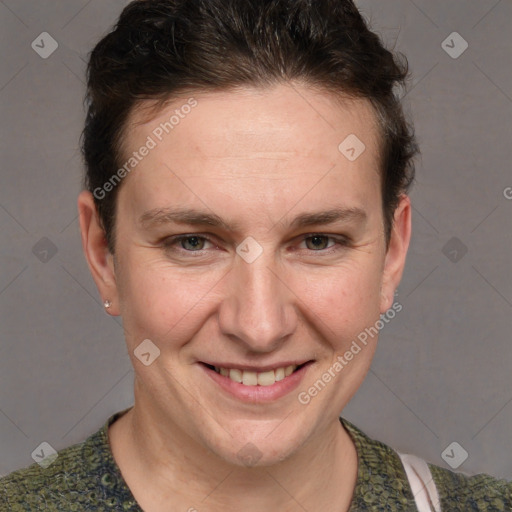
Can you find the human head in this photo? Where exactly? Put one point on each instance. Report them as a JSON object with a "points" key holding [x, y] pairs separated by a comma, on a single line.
{"points": [[163, 48], [254, 160]]}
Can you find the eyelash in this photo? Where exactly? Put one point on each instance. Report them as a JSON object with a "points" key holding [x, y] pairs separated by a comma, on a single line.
{"points": [[340, 243]]}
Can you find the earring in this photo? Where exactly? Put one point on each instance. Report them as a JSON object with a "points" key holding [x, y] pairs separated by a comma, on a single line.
{"points": [[107, 304]]}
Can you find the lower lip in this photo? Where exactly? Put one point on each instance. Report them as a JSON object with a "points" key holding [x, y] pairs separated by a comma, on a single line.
{"points": [[258, 393]]}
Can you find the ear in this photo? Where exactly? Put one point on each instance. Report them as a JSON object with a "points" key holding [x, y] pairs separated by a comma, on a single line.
{"points": [[396, 253], [97, 254]]}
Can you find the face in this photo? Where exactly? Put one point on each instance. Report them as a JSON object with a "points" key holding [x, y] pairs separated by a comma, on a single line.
{"points": [[248, 244]]}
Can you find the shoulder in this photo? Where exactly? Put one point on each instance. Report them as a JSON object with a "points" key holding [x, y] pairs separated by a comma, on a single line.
{"points": [[83, 476], [382, 480], [35, 487], [72, 477], [382, 483], [461, 492]]}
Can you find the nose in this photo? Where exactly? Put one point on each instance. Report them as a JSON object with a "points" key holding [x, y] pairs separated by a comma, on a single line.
{"points": [[258, 310]]}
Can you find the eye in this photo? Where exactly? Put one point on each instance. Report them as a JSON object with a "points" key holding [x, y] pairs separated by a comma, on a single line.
{"points": [[319, 242], [188, 243]]}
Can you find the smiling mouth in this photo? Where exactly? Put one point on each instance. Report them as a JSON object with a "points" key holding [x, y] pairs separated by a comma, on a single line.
{"points": [[253, 378]]}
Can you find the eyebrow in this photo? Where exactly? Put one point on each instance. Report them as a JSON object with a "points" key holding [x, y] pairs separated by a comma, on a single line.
{"points": [[190, 216]]}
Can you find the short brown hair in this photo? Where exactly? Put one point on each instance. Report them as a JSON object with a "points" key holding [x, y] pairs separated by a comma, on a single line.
{"points": [[162, 48]]}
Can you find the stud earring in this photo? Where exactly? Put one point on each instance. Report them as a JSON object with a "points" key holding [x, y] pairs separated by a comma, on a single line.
{"points": [[107, 304]]}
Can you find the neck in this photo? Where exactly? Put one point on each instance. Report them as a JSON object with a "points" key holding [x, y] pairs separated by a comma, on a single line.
{"points": [[162, 465]]}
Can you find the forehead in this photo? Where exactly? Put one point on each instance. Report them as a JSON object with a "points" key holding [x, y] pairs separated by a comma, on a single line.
{"points": [[287, 135], [226, 123]]}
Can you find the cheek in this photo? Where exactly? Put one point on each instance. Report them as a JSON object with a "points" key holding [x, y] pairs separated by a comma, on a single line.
{"points": [[161, 302], [342, 307], [343, 300]]}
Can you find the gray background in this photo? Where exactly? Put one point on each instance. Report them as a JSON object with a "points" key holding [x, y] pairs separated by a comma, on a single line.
{"points": [[442, 370]]}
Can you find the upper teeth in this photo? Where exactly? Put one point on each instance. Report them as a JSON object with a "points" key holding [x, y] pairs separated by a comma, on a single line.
{"points": [[250, 378]]}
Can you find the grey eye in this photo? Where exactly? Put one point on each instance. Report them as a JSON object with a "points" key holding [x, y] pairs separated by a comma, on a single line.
{"points": [[195, 243], [318, 242]]}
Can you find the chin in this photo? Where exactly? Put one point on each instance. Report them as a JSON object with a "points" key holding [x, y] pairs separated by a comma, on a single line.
{"points": [[256, 451]]}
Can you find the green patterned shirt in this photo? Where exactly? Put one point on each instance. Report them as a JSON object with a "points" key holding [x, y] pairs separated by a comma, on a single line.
{"points": [[85, 476]]}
